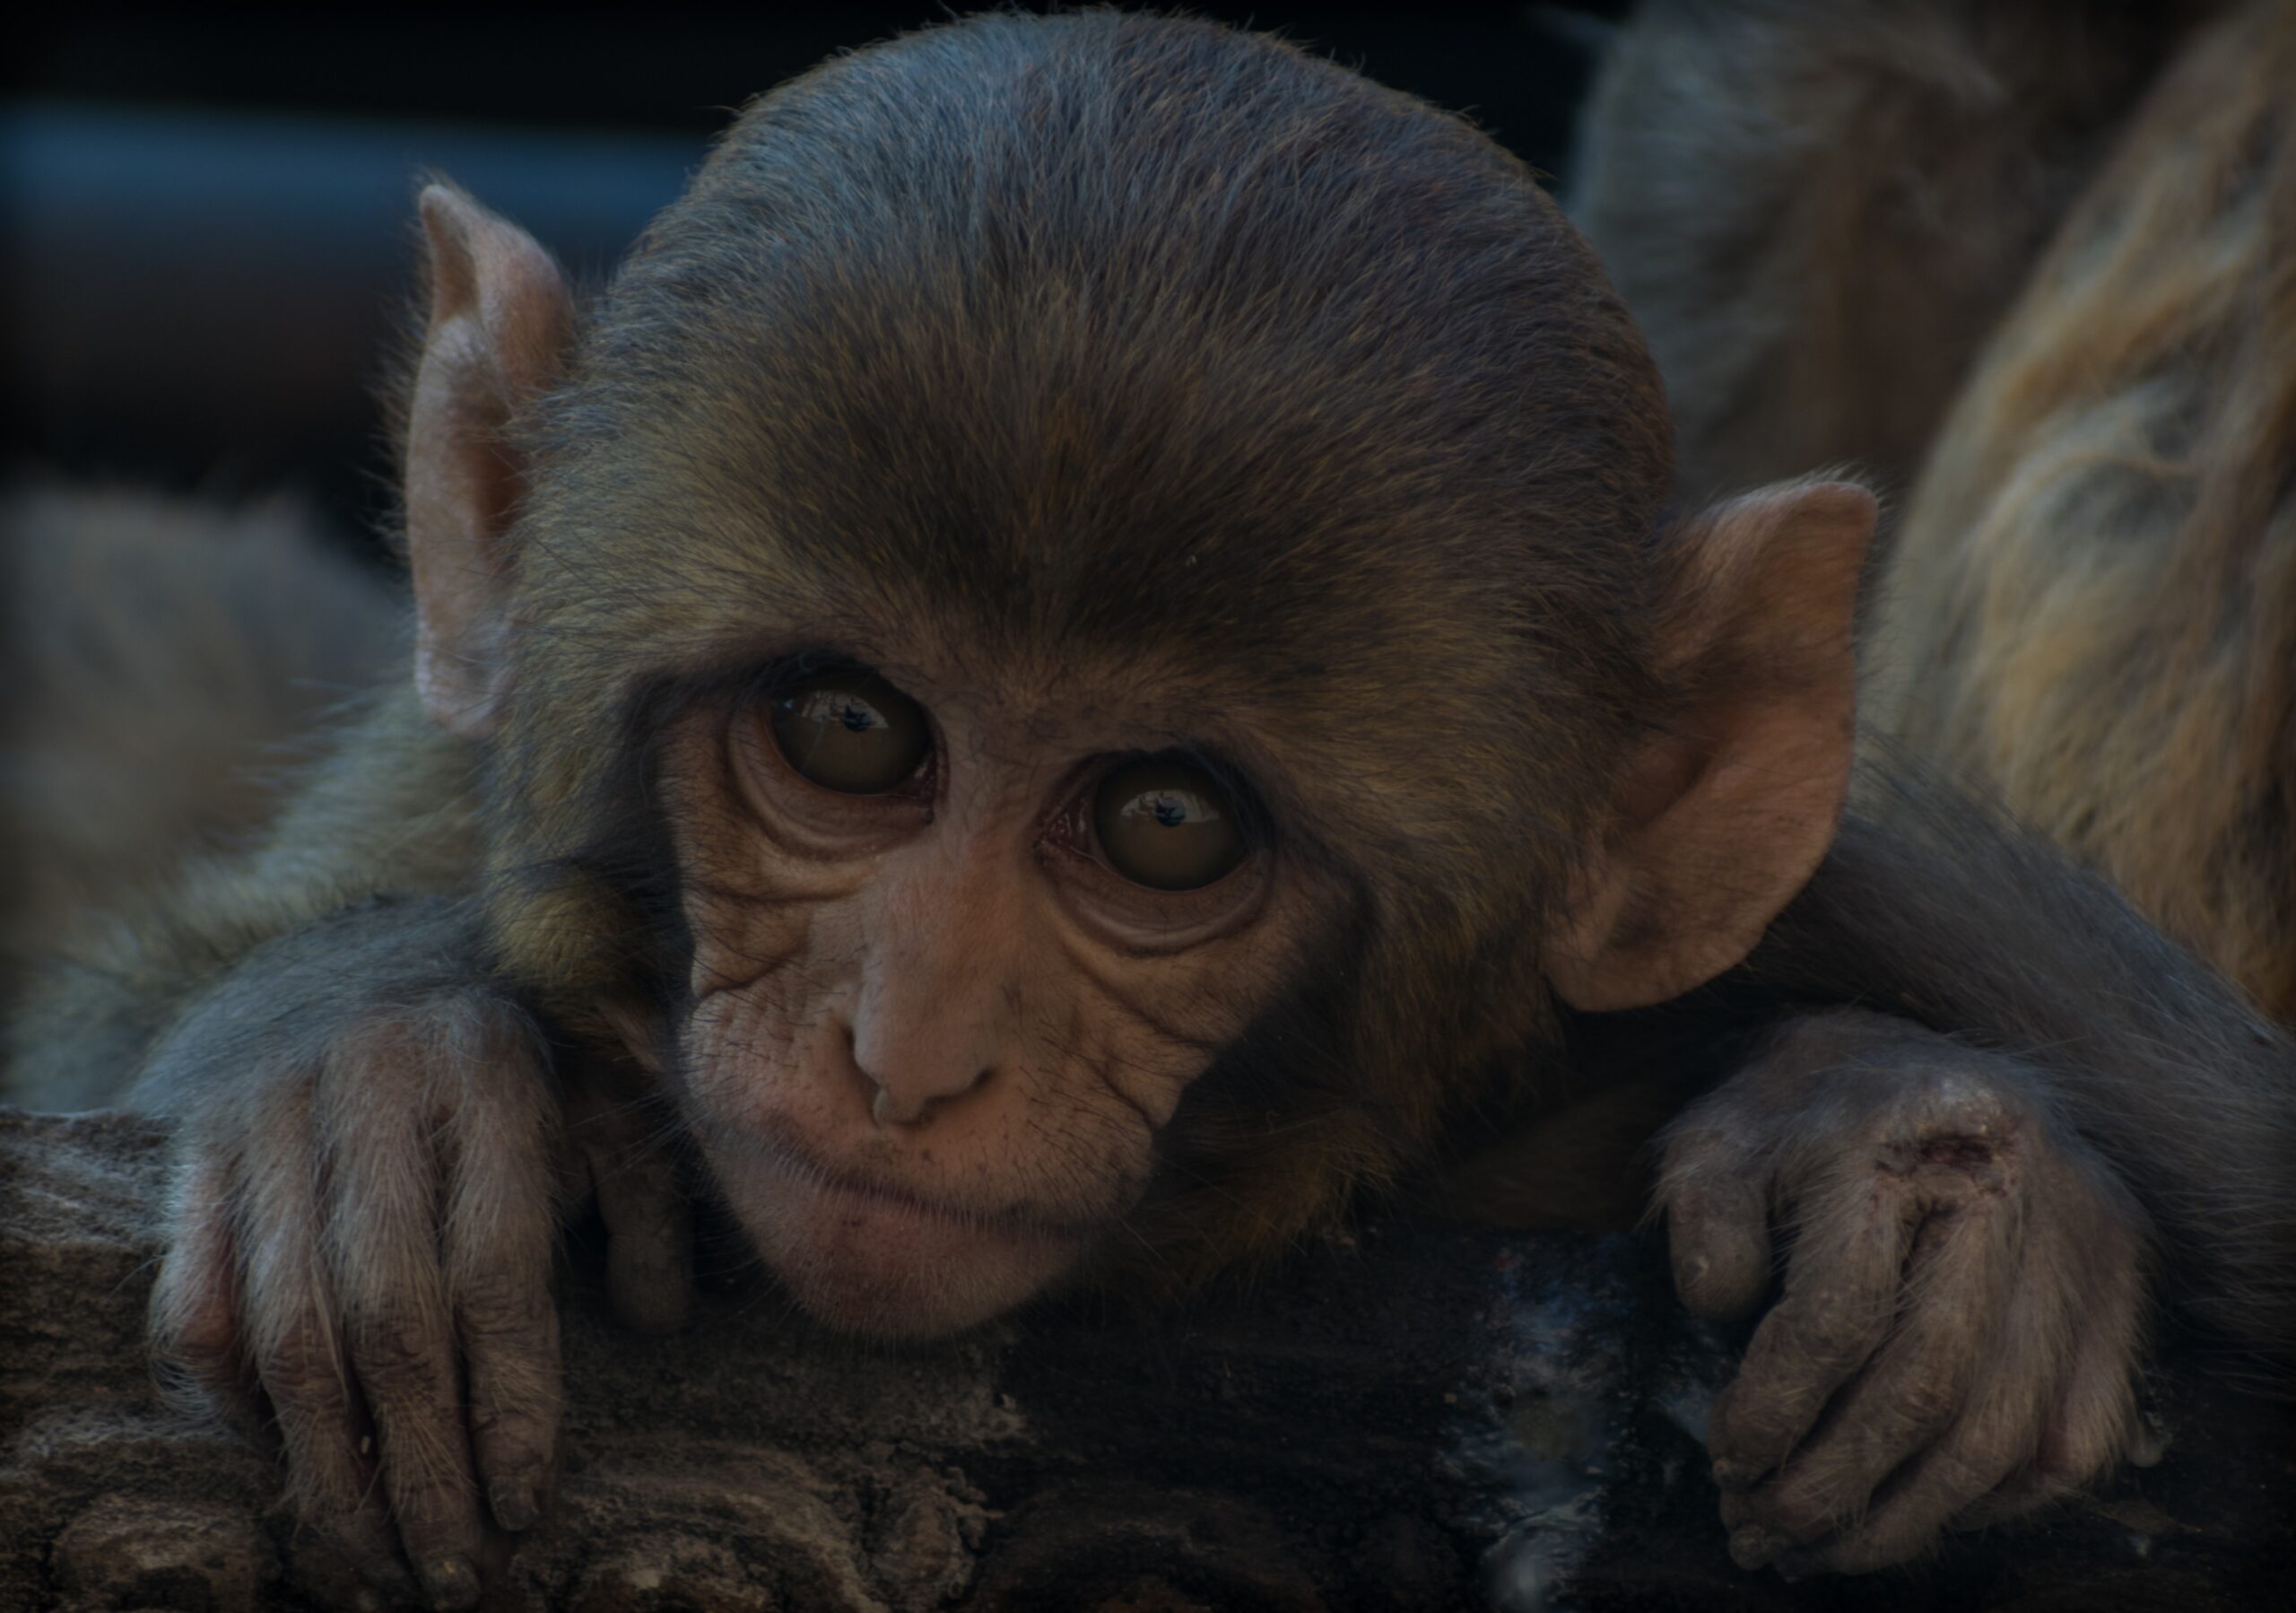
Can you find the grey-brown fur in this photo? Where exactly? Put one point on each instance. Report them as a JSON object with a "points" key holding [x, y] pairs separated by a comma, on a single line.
{"points": [[171, 663], [1818, 208]]}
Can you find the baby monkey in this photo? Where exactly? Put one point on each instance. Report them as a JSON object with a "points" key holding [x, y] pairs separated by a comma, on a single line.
{"points": [[1082, 662]]}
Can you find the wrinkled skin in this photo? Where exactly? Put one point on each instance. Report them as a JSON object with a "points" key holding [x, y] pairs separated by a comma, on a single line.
{"points": [[1961, 1290]]}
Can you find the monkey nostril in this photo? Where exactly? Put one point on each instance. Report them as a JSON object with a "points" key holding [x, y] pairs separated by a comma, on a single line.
{"points": [[914, 1107], [889, 1109]]}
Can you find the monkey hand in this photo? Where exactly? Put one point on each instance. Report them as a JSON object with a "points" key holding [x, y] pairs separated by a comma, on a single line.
{"points": [[367, 1200], [1963, 1293]]}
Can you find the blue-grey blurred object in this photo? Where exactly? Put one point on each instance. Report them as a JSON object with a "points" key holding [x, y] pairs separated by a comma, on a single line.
{"points": [[224, 284], [206, 225]]}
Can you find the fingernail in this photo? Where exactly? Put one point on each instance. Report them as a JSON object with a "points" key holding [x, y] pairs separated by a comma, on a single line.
{"points": [[1752, 1546], [451, 1582], [513, 1501], [1735, 1475]]}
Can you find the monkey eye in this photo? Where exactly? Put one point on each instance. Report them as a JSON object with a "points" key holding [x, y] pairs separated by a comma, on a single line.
{"points": [[1165, 822], [850, 731]]}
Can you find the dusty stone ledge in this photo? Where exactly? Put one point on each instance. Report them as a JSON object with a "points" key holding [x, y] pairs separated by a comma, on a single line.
{"points": [[1432, 1417]]}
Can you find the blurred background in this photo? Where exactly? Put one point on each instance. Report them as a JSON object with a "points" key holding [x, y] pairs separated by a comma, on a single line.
{"points": [[205, 219]]}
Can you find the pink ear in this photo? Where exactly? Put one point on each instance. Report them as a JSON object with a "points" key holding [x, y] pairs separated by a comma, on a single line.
{"points": [[1721, 819], [500, 322]]}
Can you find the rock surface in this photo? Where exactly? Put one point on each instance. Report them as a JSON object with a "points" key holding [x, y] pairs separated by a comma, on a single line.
{"points": [[1428, 1418]]}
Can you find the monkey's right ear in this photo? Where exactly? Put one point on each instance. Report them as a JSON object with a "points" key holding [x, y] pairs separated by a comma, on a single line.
{"points": [[1721, 816], [500, 323]]}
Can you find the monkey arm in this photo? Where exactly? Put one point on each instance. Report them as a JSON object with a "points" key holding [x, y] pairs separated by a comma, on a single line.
{"points": [[372, 1163], [1960, 1180], [392, 808], [363, 1181], [2100, 1083], [1929, 907]]}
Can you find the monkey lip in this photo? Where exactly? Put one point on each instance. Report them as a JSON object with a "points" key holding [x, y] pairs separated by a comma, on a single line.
{"points": [[875, 1258], [847, 1193]]}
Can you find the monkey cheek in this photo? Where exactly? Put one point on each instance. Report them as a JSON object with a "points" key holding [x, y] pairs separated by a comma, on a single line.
{"points": [[886, 1269]]}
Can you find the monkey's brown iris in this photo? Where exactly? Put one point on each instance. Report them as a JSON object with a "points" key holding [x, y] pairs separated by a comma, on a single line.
{"points": [[1165, 823], [851, 732]]}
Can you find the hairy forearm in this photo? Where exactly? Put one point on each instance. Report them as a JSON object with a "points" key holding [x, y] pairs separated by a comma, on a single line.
{"points": [[1931, 908]]}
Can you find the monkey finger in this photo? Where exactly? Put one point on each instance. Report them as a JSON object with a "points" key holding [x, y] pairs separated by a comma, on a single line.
{"points": [[402, 1352], [1712, 1187], [1752, 1543], [303, 1365], [305, 1372], [1996, 1434], [500, 1225], [1941, 1483], [2095, 1420], [243, 1312], [1717, 1231], [1913, 1389], [2081, 1439], [384, 1252], [1840, 1298], [199, 1348]]}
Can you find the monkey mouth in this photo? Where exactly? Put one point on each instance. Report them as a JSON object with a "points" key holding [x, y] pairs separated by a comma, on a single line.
{"points": [[853, 1189], [874, 1257], [780, 1148]]}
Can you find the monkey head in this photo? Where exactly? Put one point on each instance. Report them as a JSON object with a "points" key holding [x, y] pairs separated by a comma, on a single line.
{"points": [[1085, 642]]}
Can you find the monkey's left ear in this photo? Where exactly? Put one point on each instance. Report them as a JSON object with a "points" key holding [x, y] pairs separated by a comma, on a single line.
{"points": [[1722, 818], [500, 322]]}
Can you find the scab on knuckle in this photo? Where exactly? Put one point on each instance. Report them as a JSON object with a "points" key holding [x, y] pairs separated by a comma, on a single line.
{"points": [[1958, 1175]]}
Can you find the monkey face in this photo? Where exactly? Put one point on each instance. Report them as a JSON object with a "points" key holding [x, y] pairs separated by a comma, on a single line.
{"points": [[959, 951], [967, 970]]}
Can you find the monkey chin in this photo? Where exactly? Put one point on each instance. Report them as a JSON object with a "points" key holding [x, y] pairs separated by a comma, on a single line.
{"points": [[886, 1264]]}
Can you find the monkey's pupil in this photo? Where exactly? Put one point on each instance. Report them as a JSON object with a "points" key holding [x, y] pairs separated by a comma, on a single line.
{"points": [[851, 732], [1167, 824]]}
